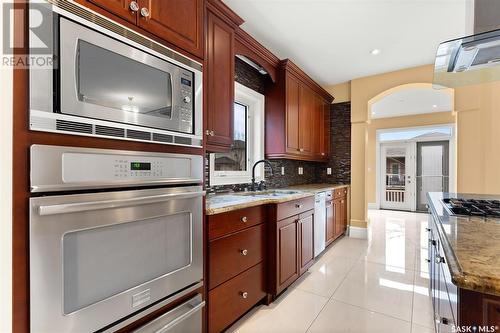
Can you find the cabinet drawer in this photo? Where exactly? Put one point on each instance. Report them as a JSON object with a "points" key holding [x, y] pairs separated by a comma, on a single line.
{"points": [[226, 223], [340, 192], [294, 207], [230, 300], [231, 255]]}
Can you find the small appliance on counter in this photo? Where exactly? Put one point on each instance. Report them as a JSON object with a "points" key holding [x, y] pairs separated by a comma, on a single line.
{"points": [[114, 236]]}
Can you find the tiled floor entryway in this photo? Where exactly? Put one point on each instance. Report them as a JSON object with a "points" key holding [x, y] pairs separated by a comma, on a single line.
{"points": [[374, 285]]}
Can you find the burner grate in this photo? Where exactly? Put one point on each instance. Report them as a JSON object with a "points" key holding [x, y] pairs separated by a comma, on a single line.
{"points": [[473, 207]]}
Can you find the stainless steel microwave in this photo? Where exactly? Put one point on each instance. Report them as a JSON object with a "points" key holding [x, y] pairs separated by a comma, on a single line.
{"points": [[109, 81]]}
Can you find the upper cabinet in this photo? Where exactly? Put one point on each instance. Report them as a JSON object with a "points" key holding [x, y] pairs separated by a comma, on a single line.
{"points": [[297, 116], [219, 71], [179, 22]]}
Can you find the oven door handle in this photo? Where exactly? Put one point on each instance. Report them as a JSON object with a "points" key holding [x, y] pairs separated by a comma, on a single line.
{"points": [[117, 203]]}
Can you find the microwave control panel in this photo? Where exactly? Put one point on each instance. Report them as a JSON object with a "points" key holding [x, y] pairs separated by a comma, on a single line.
{"points": [[186, 107]]}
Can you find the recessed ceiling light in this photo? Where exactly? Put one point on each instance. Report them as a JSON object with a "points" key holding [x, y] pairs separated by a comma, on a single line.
{"points": [[374, 51], [434, 106]]}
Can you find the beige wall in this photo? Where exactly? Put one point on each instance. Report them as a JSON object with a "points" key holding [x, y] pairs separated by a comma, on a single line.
{"points": [[5, 195], [341, 92], [478, 138]]}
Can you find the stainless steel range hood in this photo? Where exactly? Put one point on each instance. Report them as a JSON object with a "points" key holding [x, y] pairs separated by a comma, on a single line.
{"points": [[473, 59]]}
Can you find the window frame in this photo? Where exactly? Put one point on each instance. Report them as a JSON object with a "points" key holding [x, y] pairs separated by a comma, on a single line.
{"points": [[254, 102]]}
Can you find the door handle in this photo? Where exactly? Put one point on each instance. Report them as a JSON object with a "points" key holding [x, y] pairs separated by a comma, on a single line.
{"points": [[116, 203]]}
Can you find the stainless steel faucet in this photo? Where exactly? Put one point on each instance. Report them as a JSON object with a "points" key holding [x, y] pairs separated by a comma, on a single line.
{"points": [[253, 187]]}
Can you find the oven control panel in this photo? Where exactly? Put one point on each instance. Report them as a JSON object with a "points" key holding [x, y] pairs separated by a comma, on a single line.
{"points": [[103, 167]]}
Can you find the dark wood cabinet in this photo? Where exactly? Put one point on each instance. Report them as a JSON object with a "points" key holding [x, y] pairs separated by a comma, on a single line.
{"points": [[291, 248], [336, 215], [306, 241], [220, 81], [230, 300], [288, 252], [292, 114], [296, 123], [121, 8], [237, 264], [178, 22]]}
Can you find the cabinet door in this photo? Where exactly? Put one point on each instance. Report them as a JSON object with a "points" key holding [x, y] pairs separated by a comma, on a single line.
{"points": [[325, 135], [288, 254], [179, 22], [292, 114], [119, 8], [220, 87], [343, 214], [330, 222], [337, 211], [317, 128], [306, 110], [306, 225]]}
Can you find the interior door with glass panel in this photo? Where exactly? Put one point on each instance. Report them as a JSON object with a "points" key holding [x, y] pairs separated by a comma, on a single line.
{"points": [[433, 170], [396, 176]]}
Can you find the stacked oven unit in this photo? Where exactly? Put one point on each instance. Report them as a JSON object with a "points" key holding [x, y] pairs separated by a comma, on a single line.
{"points": [[115, 235]]}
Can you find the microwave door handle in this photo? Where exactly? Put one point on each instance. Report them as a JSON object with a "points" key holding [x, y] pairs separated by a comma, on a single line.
{"points": [[118, 203]]}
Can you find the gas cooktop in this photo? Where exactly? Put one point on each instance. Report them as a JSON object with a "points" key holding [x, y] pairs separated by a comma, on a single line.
{"points": [[473, 207]]}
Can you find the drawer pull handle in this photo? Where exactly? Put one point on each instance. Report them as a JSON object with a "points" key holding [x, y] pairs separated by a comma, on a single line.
{"points": [[244, 252], [244, 294], [298, 206], [244, 219]]}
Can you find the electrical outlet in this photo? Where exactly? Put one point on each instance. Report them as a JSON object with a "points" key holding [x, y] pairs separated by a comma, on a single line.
{"points": [[328, 171], [301, 170], [282, 171]]}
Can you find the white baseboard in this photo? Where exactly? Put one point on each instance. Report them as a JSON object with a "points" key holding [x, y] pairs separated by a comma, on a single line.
{"points": [[373, 205], [357, 232]]}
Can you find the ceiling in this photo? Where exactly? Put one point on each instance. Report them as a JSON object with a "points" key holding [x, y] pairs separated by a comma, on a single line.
{"points": [[332, 39], [410, 101]]}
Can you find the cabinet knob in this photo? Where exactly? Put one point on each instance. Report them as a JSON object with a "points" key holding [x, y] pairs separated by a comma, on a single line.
{"points": [[439, 259], [212, 133], [322, 154], [145, 12], [427, 260], [244, 252], [244, 219], [301, 149], [428, 229], [298, 206], [209, 133], [134, 6], [244, 294]]}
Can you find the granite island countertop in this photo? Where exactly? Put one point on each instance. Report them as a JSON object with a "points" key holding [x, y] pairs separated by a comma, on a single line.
{"points": [[471, 245], [221, 203]]}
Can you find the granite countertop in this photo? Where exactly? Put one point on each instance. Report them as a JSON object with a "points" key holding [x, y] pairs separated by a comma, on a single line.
{"points": [[471, 245], [221, 203]]}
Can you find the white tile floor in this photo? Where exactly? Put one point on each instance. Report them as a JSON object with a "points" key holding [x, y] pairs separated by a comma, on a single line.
{"points": [[374, 285]]}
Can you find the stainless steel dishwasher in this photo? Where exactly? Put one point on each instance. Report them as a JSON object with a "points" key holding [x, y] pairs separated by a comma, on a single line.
{"points": [[319, 223]]}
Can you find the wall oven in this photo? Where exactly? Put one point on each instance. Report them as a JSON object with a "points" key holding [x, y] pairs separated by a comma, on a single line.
{"points": [[106, 256], [109, 81]]}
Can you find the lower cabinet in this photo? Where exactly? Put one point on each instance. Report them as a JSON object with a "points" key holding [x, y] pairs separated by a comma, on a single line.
{"points": [[233, 298], [306, 241], [292, 244], [288, 251], [453, 306], [237, 250], [336, 215]]}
